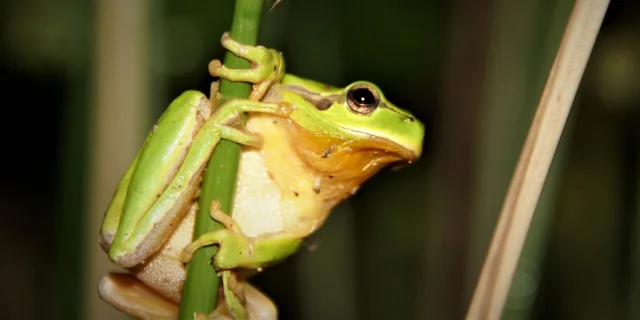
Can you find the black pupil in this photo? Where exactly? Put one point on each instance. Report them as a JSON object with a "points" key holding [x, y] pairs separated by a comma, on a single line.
{"points": [[363, 96]]}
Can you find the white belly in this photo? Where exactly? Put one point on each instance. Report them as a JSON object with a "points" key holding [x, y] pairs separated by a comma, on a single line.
{"points": [[256, 206]]}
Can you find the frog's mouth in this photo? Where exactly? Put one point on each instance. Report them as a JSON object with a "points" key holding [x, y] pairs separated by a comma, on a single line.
{"points": [[365, 141], [342, 165]]}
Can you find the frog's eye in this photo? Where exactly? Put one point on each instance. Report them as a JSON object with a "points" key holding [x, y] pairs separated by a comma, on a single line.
{"points": [[363, 98]]}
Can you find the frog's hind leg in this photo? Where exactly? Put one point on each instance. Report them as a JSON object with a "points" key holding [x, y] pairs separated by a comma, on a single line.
{"points": [[114, 211], [176, 142], [153, 290], [128, 294]]}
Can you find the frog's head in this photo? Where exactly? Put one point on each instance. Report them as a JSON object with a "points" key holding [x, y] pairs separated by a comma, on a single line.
{"points": [[348, 134]]}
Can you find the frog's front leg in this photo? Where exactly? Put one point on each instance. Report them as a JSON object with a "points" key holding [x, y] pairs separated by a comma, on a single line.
{"points": [[239, 251], [267, 66]]}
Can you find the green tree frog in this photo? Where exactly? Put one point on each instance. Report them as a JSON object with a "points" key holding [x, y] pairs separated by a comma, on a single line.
{"points": [[307, 147]]}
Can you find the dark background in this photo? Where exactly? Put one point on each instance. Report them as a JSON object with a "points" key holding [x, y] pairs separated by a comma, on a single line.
{"points": [[83, 81]]}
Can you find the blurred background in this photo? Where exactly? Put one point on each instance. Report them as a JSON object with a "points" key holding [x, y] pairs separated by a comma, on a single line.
{"points": [[411, 243]]}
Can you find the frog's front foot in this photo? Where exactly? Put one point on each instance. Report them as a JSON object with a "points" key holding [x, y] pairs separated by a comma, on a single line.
{"points": [[267, 66], [234, 247], [234, 251]]}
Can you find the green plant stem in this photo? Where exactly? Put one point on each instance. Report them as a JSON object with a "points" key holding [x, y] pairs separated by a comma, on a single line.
{"points": [[200, 292]]}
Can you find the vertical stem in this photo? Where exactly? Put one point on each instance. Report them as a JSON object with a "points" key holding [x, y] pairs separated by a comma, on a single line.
{"points": [[532, 168], [201, 286]]}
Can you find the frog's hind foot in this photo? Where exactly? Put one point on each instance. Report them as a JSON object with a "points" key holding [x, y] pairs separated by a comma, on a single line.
{"points": [[232, 242], [129, 295], [257, 306]]}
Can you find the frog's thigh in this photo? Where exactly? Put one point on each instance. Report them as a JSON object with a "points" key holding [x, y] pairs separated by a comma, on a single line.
{"points": [[164, 274], [131, 296]]}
